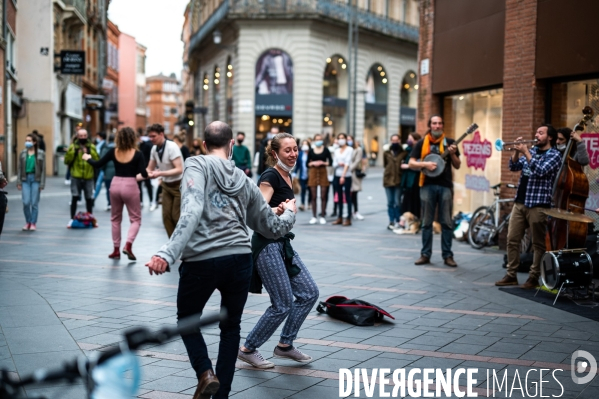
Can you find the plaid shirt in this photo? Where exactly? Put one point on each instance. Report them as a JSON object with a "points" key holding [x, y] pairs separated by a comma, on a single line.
{"points": [[541, 171]]}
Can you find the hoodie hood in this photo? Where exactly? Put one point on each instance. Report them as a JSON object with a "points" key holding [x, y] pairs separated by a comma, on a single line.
{"points": [[230, 180]]}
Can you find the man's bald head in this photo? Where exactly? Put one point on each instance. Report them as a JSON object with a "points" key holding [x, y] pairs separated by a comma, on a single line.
{"points": [[217, 135]]}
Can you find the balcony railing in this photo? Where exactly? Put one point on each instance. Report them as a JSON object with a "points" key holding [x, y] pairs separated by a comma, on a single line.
{"points": [[338, 10], [78, 4]]}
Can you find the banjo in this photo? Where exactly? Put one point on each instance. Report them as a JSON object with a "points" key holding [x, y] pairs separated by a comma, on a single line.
{"points": [[440, 159]]}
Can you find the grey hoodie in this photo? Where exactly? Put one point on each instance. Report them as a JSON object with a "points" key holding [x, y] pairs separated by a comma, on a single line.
{"points": [[218, 204]]}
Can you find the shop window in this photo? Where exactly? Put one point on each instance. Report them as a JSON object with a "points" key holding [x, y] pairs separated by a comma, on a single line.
{"points": [[481, 163]]}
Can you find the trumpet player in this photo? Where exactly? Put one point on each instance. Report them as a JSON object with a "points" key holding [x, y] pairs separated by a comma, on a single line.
{"points": [[539, 166], [564, 135]]}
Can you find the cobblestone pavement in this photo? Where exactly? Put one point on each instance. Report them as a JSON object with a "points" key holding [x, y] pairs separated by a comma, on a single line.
{"points": [[60, 296]]}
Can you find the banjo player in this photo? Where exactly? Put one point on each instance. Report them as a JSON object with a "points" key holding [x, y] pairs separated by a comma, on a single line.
{"points": [[436, 191]]}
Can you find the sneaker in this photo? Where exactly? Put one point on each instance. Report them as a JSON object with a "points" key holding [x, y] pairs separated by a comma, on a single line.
{"points": [[254, 359], [109, 207], [391, 226], [70, 224], [32, 227], [293, 354], [153, 207], [26, 227], [322, 220], [67, 182], [358, 216], [313, 221]]}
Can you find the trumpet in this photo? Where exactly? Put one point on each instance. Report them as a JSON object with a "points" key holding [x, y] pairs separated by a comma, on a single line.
{"points": [[500, 145]]}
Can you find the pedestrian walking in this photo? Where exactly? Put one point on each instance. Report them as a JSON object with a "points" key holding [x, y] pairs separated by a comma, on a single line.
{"points": [[301, 172], [180, 141], [106, 172], [220, 199], [145, 146], [82, 173], [31, 172], [409, 181], [279, 267], [342, 181], [3, 198], [319, 157], [436, 191], [374, 150], [392, 161], [166, 156], [357, 174], [129, 167]]}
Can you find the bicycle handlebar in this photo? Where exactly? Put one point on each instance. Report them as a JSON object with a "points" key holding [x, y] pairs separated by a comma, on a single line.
{"points": [[81, 367]]}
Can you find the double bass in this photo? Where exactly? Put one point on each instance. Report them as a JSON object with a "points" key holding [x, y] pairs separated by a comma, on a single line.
{"points": [[570, 193]]}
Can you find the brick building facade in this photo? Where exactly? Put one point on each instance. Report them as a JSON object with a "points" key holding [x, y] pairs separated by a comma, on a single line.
{"points": [[508, 66]]}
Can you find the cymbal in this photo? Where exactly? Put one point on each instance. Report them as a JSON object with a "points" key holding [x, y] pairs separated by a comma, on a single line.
{"points": [[564, 215]]}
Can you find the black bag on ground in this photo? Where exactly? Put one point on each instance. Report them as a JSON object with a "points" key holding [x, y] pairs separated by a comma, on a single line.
{"points": [[354, 311]]}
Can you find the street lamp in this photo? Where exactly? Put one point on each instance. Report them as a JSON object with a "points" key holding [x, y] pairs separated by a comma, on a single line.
{"points": [[217, 36]]}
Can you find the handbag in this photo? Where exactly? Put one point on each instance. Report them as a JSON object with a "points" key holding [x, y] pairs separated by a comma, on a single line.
{"points": [[360, 174], [354, 311], [296, 186]]}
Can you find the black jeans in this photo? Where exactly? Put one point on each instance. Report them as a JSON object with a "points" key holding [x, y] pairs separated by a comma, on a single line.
{"points": [[3, 203], [148, 184], [341, 189], [230, 275]]}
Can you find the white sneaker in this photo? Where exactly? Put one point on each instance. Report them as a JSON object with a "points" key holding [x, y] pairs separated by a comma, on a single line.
{"points": [[153, 207], [67, 182], [313, 221], [358, 216], [70, 224], [322, 220], [109, 207], [255, 359]]}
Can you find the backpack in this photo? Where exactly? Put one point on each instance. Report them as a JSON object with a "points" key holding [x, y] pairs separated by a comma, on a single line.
{"points": [[83, 220], [354, 311]]}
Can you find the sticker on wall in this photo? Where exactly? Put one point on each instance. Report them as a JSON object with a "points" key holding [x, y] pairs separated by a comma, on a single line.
{"points": [[477, 183], [592, 142], [477, 152]]}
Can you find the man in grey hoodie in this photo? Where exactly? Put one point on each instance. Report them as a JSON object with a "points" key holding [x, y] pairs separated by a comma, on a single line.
{"points": [[218, 204]]}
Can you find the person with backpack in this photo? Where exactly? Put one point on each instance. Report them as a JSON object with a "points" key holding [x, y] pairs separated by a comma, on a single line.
{"points": [[82, 173], [31, 172]]}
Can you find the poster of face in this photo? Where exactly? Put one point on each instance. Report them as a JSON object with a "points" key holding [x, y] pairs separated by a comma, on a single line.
{"points": [[274, 73]]}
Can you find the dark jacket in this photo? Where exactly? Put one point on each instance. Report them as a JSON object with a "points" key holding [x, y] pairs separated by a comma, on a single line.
{"points": [[40, 168], [392, 163]]}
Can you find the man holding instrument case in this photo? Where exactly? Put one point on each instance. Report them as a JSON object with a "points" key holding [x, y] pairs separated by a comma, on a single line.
{"points": [[539, 167], [436, 191]]}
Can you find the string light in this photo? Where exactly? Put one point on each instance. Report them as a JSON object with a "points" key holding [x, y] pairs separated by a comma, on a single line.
{"points": [[328, 60]]}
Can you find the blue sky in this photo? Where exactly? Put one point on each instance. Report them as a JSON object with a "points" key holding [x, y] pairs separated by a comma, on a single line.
{"points": [[156, 24]]}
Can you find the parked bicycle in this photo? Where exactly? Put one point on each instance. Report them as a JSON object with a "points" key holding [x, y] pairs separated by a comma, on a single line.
{"points": [[103, 374], [485, 225]]}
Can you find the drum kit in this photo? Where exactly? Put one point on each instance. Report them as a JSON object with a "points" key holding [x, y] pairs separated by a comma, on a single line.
{"points": [[567, 268]]}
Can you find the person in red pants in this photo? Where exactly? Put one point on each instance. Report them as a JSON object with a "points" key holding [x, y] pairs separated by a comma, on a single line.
{"points": [[129, 167]]}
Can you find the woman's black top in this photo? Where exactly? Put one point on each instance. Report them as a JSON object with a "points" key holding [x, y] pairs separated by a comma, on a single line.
{"points": [[185, 152], [129, 169], [325, 155], [282, 189]]}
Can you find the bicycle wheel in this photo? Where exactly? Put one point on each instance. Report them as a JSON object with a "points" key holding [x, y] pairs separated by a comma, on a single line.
{"points": [[482, 226]]}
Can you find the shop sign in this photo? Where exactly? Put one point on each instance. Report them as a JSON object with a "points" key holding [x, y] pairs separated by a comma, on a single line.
{"points": [[274, 104], [477, 183], [592, 142], [407, 116], [72, 62], [477, 152], [73, 104]]}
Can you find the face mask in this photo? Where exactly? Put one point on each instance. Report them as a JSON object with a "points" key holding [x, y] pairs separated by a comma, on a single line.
{"points": [[410, 143], [305, 147], [318, 143], [83, 141], [350, 143], [341, 142], [28, 144], [437, 134], [239, 142], [286, 168], [395, 146], [197, 147], [561, 147]]}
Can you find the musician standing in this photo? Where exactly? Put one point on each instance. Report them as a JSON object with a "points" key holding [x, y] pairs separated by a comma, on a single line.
{"points": [[564, 135], [436, 191], [539, 167]]}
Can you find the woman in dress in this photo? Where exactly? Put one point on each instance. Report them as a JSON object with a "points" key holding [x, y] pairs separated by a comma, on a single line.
{"points": [[319, 157], [279, 267], [129, 168]]}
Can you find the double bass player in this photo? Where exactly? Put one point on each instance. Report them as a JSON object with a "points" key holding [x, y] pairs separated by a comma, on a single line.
{"points": [[539, 166]]}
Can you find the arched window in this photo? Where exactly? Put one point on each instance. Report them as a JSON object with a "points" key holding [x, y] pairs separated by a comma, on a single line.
{"points": [[334, 95], [376, 85], [409, 90]]}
